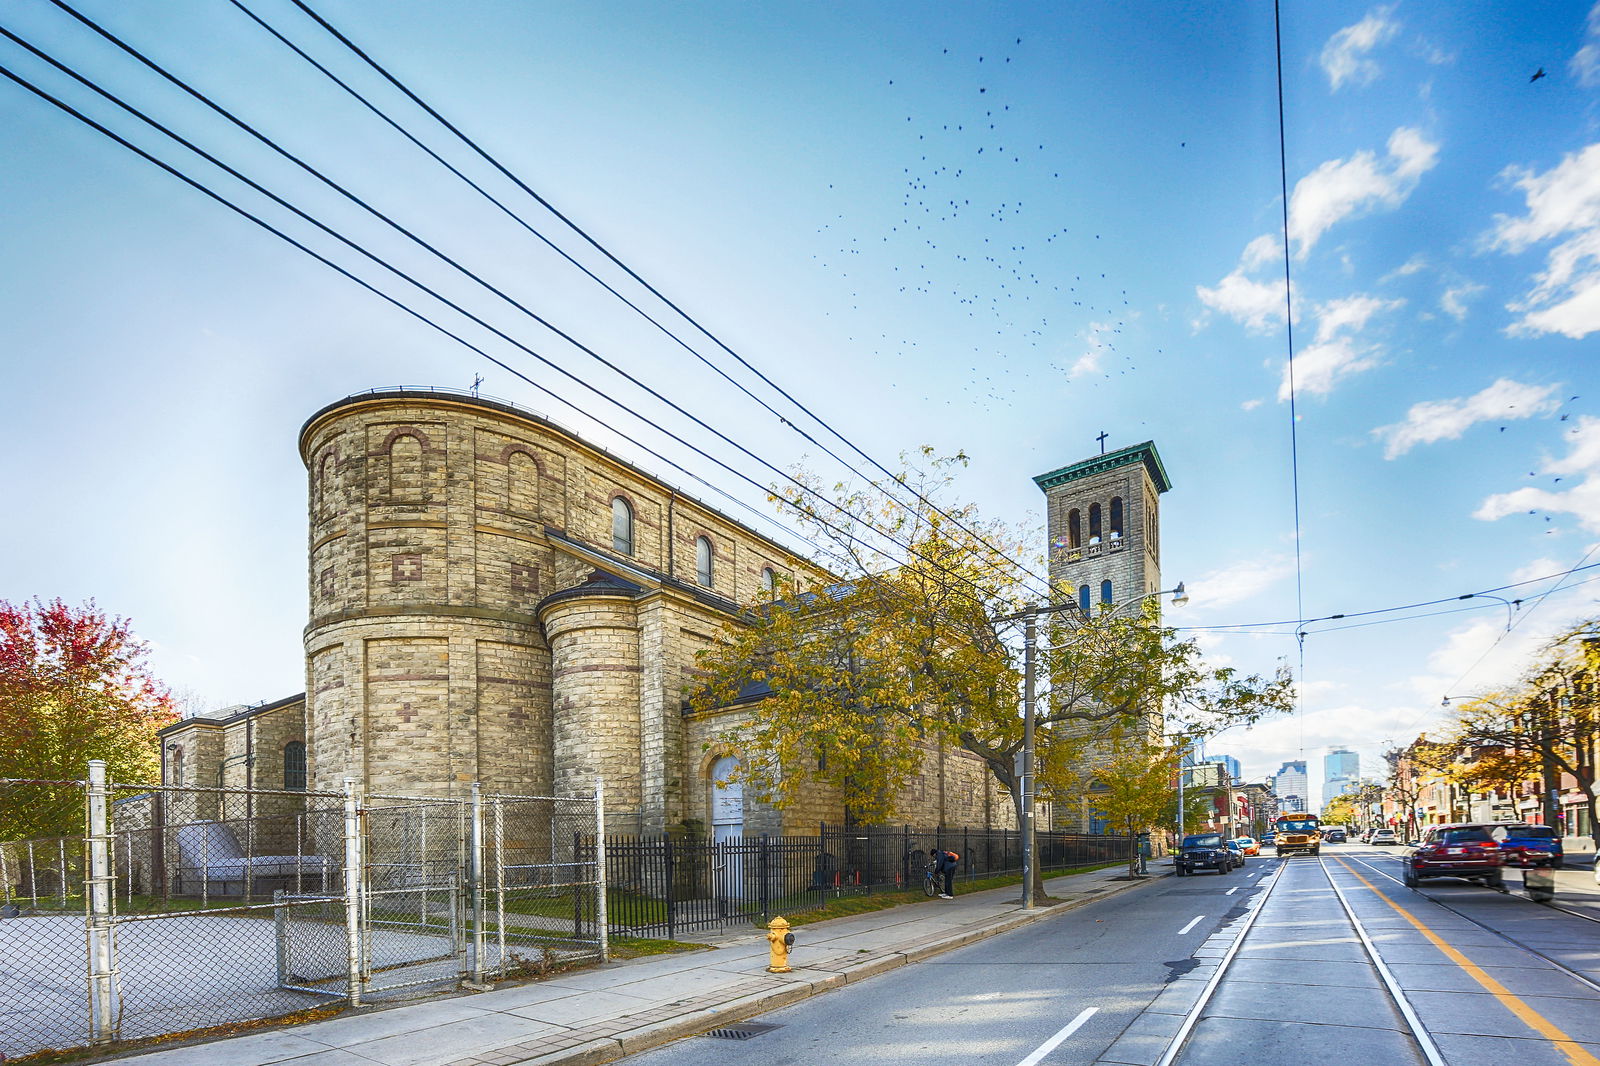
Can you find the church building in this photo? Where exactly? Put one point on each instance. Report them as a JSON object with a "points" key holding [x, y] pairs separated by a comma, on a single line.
{"points": [[494, 600]]}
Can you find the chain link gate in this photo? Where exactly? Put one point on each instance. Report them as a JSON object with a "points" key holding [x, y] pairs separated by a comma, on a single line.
{"points": [[138, 910]]}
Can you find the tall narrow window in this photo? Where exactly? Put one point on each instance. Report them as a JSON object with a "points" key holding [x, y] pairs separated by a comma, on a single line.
{"points": [[621, 526], [1105, 592], [1116, 517], [1083, 598], [1094, 523], [769, 579], [294, 766], [702, 561], [1074, 529]]}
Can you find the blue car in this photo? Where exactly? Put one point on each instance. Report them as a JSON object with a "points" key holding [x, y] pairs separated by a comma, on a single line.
{"points": [[1522, 844]]}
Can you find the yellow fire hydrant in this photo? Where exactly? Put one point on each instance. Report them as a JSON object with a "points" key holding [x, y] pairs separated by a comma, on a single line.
{"points": [[779, 940]]}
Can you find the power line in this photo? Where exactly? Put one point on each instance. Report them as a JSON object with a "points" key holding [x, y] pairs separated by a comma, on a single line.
{"points": [[1402, 607], [846, 534], [657, 293], [1288, 322]]}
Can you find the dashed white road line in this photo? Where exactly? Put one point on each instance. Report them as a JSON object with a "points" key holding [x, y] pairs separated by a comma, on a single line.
{"points": [[1231, 891], [1066, 1031], [1197, 920]]}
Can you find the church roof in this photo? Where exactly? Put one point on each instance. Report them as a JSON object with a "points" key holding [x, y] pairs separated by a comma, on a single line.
{"points": [[1137, 453]]}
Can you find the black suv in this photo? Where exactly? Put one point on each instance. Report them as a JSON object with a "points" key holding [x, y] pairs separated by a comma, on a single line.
{"points": [[1467, 851], [1205, 851]]}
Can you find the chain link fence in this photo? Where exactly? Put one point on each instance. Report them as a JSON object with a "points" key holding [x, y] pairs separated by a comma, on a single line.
{"points": [[129, 911]]}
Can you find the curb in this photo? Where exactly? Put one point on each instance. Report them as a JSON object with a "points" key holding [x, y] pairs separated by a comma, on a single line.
{"points": [[621, 1045]]}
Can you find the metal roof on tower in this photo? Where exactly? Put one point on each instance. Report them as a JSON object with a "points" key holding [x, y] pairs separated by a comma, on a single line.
{"points": [[1137, 453]]}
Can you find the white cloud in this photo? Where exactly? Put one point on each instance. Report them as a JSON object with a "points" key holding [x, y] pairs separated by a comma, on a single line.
{"points": [[1251, 405], [1240, 581], [1342, 188], [1580, 468], [1258, 305], [1436, 420], [1335, 353], [1451, 301], [1563, 202], [1411, 266], [1087, 363], [1585, 64], [1344, 57]]}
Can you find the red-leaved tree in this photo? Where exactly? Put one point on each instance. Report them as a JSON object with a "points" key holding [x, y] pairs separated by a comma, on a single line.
{"points": [[73, 687]]}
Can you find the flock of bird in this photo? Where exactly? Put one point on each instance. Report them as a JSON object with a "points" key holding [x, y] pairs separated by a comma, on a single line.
{"points": [[966, 235]]}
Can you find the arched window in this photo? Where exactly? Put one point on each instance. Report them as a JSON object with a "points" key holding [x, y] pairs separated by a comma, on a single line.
{"points": [[702, 561], [177, 764], [1116, 517], [405, 468], [621, 526], [1074, 528], [769, 579], [294, 766], [1083, 598], [1105, 592], [1094, 523]]}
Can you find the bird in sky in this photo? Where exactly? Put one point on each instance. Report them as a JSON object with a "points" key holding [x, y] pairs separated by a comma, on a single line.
{"points": [[1537, 75]]}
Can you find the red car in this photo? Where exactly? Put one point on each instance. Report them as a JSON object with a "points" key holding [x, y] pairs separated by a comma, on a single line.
{"points": [[1467, 851]]}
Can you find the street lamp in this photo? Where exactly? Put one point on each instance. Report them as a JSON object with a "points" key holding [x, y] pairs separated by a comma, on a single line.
{"points": [[1030, 643]]}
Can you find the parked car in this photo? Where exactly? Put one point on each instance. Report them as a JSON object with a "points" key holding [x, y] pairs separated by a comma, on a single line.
{"points": [[1334, 835], [1467, 851], [1233, 845], [1522, 844], [1204, 851], [1248, 845], [1383, 836]]}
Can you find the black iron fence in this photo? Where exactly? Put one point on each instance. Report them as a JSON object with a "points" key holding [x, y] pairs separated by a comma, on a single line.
{"points": [[664, 886]]}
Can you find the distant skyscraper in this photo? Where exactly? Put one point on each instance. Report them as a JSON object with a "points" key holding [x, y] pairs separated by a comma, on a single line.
{"points": [[1290, 785], [1228, 762], [1341, 768]]}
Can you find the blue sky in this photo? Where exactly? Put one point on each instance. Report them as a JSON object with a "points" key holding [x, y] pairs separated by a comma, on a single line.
{"points": [[995, 228]]}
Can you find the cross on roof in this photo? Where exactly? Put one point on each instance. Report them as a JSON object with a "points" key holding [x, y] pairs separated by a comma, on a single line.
{"points": [[1102, 439]]}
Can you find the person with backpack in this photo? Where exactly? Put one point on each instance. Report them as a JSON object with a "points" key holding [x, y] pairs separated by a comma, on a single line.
{"points": [[944, 863]]}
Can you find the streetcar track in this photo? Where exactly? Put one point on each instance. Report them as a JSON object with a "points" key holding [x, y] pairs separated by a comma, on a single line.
{"points": [[1419, 1032], [1558, 964]]}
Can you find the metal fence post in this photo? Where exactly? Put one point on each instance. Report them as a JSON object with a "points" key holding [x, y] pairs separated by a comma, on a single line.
{"points": [[766, 879], [103, 1013], [500, 878], [355, 877], [668, 871], [475, 885], [602, 918]]}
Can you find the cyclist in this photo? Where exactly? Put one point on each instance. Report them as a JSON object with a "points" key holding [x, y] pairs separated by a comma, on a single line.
{"points": [[944, 863]]}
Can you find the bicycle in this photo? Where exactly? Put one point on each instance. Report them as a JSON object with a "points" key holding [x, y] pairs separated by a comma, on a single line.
{"points": [[931, 881]]}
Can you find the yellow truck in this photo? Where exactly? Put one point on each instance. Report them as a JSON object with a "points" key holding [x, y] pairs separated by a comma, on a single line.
{"points": [[1297, 832]]}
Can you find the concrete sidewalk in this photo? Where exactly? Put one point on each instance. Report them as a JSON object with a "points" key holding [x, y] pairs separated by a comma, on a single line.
{"points": [[605, 1012]]}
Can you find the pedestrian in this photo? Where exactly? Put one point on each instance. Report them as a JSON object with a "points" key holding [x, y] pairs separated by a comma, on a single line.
{"points": [[944, 862]]}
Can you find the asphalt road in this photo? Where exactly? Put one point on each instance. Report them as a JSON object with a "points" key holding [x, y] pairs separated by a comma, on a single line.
{"points": [[1113, 982], [999, 1002]]}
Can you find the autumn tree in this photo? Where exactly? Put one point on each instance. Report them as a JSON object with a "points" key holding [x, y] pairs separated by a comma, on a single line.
{"points": [[73, 687], [892, 650], [1133, 785]]}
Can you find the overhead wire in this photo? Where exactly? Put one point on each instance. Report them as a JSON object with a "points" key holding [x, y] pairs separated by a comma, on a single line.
{"points": [[611, 257], [595, 390], [351, 276], [1294, 421]]}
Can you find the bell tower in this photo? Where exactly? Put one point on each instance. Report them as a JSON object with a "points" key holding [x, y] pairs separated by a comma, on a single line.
{"points": [[1104, 520]]}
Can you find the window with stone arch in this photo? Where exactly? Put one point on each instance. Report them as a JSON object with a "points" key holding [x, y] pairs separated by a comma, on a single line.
{"points": [[177, 765], [704, 556], [1083, 598], [1074, 529], [769, 579], [621, 526], [522, 483], [294, 766], [405, 467], [1105, 592], [325, 486], [1094, 523], [1116, 517]]}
